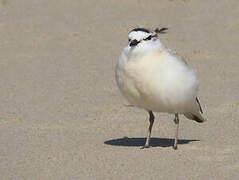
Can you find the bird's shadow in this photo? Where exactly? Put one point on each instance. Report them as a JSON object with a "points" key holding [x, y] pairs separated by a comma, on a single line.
{"points": [[154, 142]]}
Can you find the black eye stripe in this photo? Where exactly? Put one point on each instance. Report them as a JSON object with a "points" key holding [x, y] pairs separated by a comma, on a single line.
{"points": [[148, 38], [135, 42]]}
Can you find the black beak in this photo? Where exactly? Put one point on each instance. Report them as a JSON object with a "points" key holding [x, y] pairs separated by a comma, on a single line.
{"points": [[133, 43]]}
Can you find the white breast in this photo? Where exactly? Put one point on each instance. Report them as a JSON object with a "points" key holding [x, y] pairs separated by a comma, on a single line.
{"points": [[157, 81]]}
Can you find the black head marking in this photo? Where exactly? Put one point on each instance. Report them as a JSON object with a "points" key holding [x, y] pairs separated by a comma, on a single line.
{"points": [[152, 35], [148, 38], [141, 29]]}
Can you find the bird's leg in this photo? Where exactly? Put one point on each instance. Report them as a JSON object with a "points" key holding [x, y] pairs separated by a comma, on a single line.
{"points": [[176, 121], [151, 121]]}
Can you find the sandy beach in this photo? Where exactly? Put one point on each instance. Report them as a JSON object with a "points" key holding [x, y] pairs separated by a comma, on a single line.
{"points": [[62, 116]]}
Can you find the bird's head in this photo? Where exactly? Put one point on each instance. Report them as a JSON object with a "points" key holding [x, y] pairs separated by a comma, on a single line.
{"points": [[142, 35]]}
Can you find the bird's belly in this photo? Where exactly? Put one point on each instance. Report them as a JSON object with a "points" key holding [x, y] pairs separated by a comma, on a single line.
{"points": [[160, 100]]}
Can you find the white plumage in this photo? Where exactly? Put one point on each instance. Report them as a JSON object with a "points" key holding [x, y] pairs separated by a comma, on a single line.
{"points": [[155, 79]]}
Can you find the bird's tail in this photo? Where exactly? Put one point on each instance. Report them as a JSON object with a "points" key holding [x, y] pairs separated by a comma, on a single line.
{"points": [[195, 116]]}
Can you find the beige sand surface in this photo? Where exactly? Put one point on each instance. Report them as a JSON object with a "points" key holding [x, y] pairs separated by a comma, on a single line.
{"points": [[62, 116]]}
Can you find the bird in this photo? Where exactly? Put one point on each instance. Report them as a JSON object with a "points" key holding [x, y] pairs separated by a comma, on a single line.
{"points": [[156, 79]]}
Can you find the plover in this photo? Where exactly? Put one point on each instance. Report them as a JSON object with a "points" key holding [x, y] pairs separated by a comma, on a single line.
{"points": [[153, 78]]}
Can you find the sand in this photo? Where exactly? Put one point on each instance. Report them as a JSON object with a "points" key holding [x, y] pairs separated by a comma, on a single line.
{"points": [[62, 116]]}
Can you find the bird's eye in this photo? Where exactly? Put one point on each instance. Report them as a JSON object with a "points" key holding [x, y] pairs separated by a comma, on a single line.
{"points": [[134, 43], [129, 40]]}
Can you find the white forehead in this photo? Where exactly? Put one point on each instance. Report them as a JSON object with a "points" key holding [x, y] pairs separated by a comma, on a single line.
{"points": [[138, 35]]}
